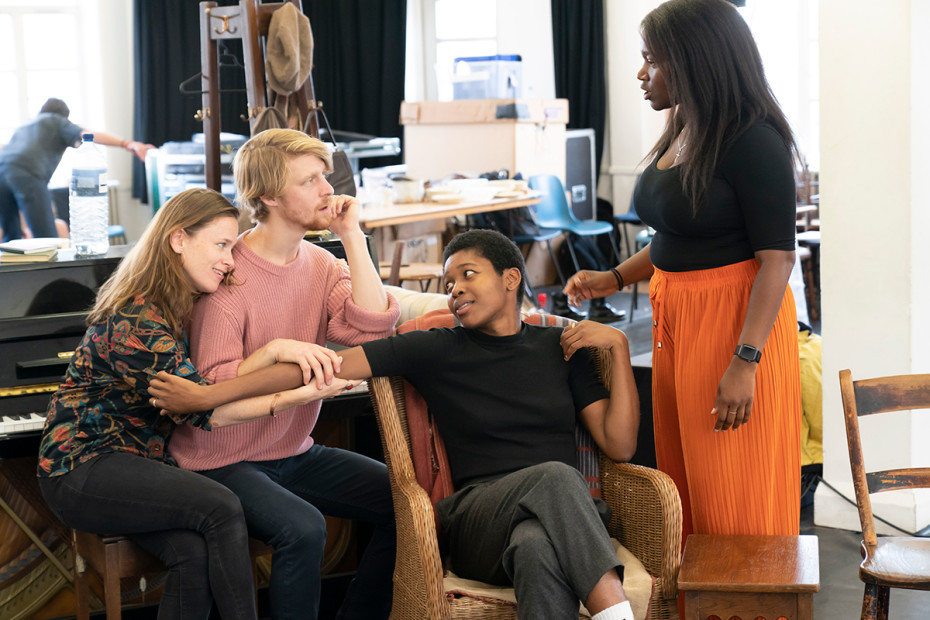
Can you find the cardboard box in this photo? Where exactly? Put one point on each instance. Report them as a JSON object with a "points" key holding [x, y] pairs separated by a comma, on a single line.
{"points": [[481, 135]]}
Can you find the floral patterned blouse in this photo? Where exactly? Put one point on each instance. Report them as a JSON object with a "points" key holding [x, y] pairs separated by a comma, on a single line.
{"points": [[103, 403]]}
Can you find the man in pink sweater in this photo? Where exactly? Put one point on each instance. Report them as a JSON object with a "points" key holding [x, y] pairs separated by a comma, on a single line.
{"points": [[289, 298]]}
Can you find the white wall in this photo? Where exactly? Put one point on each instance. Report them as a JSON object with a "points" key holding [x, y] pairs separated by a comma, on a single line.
{"points": [[519, 24], [116, 110], [874, 202], [632, 125]]}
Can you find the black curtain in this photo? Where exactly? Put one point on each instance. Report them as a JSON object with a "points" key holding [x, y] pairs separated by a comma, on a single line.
{"points": [[578, 46], [359, 52], [167, 52]]}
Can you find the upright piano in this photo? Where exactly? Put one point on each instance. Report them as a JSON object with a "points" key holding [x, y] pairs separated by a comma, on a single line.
{"points": [[42, 311]]}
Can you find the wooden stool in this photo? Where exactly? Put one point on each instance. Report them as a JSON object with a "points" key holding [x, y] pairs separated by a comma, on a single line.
{"points": [[115, 557], [749, 577]]}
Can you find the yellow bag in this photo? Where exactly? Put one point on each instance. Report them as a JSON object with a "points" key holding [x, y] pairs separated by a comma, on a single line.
{"points": [[811, 398]]}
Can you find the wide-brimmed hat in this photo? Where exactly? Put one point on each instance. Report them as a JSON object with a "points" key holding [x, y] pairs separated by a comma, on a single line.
{"points": [[289, 49]]}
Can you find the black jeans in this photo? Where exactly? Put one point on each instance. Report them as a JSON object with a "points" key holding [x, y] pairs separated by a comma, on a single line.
{"points": [[194, 525], [284, 502]]}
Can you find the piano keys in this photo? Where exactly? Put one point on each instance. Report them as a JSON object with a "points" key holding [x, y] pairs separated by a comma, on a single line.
{"points": [[21, 423]]}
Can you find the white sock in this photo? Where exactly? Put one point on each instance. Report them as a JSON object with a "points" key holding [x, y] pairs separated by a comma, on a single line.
{"points": [[620, 611]]}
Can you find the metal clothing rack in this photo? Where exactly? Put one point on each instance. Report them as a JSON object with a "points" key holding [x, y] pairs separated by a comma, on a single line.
{"points": [[249, 22]]}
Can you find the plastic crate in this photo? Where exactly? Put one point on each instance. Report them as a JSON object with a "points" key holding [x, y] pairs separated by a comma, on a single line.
{"points": [[487, 77]]}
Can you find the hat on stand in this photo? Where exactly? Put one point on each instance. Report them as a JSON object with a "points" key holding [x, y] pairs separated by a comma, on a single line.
{"points": [[289, 50]]}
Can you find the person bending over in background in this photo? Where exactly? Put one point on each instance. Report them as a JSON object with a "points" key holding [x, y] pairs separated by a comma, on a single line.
{"points": [[291, 297], [720, 193], [28, 161], [102, 461], [507, 396]]}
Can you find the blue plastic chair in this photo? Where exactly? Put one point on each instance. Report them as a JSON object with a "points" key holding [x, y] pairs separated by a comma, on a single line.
{"points": [[547, 235], [554, 213], [630, 218]]}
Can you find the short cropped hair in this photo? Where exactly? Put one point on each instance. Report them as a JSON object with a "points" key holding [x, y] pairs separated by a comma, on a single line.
{"points": [[55, 106], [498, 249], [261, 166]]}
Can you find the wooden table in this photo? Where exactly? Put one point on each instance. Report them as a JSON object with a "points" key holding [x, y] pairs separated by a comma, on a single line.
{"points": [[749, 576], [405, 213]]}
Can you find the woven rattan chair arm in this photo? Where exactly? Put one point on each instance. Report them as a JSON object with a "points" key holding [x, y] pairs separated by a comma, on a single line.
{"points": [[418, 573], [646, 518]]}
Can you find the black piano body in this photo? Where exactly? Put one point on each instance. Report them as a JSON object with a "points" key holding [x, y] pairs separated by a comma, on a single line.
{"points": [[42, 311]]}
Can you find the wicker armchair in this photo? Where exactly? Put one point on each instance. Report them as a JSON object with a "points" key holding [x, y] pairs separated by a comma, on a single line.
{"points": [[646, 520]]}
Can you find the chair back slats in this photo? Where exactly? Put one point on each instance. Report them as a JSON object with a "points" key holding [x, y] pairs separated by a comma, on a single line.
{"points": [[880, 395], [892, 394], [895, 479]]}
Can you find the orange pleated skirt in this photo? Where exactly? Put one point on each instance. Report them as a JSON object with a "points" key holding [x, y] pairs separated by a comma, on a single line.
{"points": [[746, 481]]}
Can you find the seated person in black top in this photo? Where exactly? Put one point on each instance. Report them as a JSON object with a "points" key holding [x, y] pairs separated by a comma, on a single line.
{"points": [[506, 397]]}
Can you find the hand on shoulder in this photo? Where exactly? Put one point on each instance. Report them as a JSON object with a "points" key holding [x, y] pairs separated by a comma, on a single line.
{"points": [[591, 334]]}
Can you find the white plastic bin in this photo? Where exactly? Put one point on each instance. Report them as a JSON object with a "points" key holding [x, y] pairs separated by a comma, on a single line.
{"points": [[487, 77]]}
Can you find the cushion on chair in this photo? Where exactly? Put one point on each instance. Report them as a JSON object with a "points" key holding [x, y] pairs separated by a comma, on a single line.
{"points": [[637, 584]]}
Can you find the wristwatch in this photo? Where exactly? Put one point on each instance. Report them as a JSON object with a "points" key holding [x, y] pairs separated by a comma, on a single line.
{"points": [[748, 353]]}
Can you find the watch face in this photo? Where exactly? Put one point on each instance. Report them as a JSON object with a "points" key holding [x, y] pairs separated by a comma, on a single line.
{"points": [[748, 353]]}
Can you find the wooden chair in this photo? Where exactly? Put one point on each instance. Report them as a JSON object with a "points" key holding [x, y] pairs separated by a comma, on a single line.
{"points": [[646, 521], [396, 271], [888, 562], [116, 557]]}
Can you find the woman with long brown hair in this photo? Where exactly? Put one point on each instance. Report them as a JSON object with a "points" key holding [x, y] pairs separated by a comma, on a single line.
{"points": [[102, 462], [720, 193]]}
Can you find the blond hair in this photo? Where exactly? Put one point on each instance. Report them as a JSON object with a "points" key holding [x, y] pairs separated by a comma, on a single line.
{"points": [[261, 167], [152, 269]]}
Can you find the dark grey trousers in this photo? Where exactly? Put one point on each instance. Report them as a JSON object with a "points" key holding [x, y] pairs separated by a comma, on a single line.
{"points": [[538, 529]]}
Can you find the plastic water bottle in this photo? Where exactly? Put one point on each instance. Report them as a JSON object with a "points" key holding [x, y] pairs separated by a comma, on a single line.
{"points": [[90, 210]]}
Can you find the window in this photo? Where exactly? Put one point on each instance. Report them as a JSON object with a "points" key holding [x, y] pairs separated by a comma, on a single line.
{"points": [[44, 53], [461, 29], [786, 33]]}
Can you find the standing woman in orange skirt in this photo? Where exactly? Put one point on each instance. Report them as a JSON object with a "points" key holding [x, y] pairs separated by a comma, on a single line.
{"points": [[720, 193]]}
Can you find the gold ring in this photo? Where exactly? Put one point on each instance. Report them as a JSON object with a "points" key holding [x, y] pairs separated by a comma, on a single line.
{"points": [[733, 412]]}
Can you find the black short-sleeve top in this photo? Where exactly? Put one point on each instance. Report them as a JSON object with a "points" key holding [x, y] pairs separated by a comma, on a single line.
{"points": [[749, 206], [501, 403]]}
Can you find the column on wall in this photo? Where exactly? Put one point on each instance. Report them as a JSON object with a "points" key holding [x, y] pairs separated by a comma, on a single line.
{"points": [[632, 125], [875, 192]]}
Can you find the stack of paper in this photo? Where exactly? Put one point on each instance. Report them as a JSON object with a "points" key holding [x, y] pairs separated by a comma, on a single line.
{"points": [[37, 250]]}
